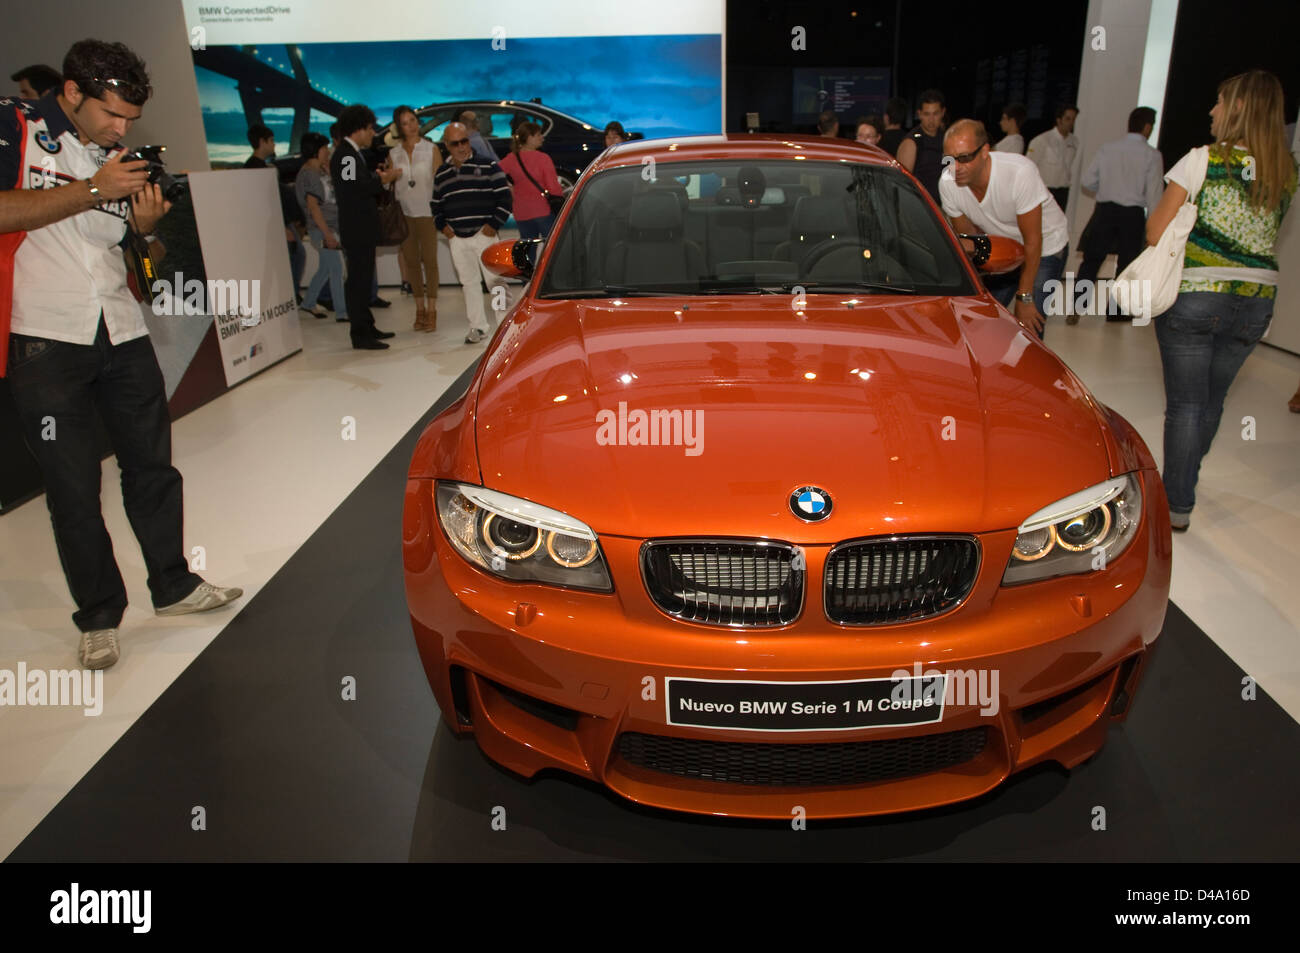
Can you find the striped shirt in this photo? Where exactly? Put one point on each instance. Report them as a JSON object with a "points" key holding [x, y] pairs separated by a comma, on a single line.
{"points": [[469, 196]]}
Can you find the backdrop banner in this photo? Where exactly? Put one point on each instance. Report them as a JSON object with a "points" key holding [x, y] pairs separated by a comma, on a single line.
{"points": [[249, 287]]}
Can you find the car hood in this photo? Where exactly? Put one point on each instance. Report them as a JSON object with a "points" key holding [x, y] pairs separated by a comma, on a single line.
{"points": [[916, 415]]}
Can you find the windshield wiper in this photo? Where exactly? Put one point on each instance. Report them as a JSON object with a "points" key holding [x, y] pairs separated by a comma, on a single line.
{"points": [[611, 291], [813, 287]]}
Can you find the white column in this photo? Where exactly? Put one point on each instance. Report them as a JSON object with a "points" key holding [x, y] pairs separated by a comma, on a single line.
{"points": [[1126, 48]]}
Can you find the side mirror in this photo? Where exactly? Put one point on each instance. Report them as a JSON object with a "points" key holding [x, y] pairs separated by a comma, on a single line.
{"points": [[511, 259], [995, 255]]}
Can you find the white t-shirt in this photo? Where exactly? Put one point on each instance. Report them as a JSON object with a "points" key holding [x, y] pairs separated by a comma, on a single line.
{"points": [[414, 199], [1013, 142], [1057, 157], [1015, 187]]}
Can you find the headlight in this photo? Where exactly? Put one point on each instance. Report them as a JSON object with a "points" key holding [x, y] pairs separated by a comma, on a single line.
{"points": [[1081, 533], [520, 540]]}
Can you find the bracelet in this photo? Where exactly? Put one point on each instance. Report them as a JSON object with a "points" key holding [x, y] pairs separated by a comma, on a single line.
{"points": [[1024, 296]]}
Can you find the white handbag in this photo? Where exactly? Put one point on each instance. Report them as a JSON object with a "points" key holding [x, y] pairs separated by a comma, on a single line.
{"points": [[1149, 285]]}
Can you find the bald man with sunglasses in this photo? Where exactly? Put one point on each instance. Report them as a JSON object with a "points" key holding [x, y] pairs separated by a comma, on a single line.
{"points": [[1000, 193]]}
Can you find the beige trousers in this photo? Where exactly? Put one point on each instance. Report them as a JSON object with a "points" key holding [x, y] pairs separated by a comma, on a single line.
{"points": [[421, 245]]}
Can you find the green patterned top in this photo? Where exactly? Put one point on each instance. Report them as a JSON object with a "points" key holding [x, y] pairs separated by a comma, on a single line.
{"points": [[1229, 233]]}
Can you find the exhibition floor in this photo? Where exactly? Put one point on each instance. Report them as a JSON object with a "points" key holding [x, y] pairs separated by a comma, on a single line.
{"points": [[240, 712]]}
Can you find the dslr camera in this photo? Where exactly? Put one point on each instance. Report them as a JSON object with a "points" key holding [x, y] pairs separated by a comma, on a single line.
{"points": [[172, 189]]}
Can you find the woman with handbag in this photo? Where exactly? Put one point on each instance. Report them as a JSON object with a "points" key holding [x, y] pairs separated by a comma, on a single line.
{"points": [[535, 188], [418, 159], [1229, 268]]}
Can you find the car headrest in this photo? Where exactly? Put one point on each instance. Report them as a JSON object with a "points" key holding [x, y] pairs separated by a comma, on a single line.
{"points": [[818, 215], [655, 210], [751, 183]]}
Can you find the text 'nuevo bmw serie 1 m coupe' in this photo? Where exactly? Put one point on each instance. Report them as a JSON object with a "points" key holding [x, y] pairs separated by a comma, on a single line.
{"points": [[758, 503]]}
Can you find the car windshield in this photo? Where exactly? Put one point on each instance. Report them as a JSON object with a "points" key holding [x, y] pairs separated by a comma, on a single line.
{"points": [[751, 227]]}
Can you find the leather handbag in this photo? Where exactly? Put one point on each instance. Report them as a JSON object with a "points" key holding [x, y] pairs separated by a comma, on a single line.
{"points": [[392, 223], [1158, 270], [556, 202]]}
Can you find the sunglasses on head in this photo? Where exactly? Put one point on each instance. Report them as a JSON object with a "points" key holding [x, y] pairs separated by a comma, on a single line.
{"points": [[457, 142], [966, 157], [125, 89]]}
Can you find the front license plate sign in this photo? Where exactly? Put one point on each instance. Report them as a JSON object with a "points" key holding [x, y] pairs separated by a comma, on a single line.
{"points": [[806, 706]]}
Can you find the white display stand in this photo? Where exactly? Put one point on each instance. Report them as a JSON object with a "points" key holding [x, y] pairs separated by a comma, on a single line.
{"points": [[241, 232]]}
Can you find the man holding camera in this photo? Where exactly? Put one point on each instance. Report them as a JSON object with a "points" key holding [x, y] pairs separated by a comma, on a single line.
{"points": [[77, 344]]}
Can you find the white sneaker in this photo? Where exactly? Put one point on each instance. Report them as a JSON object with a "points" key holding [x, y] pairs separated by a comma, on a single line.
{"points": [[206, 596], [475, 335], [99, 648]]}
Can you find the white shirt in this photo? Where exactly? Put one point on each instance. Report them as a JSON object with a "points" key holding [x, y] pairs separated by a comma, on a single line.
{"points": [[1127, 171], [1013, 142], [68, 272], [417, 169], [1056, 156], [1015, 187]]}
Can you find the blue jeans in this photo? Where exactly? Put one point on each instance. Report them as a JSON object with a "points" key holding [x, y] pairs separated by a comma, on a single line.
{"points": [[1050, 268], [330, 269], [1204, 339], [297, 262], [535, 227]]}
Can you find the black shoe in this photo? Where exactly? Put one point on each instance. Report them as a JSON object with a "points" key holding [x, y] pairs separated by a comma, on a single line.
{"points": [[406, 288], [383, 335], [378, 302], [369, 344]]}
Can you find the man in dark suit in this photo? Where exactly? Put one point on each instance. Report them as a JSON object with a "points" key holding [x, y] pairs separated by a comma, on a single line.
{"points": [[357, 188]]}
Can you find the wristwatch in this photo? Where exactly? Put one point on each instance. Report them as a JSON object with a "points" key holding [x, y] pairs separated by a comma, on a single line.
{"points": [[94, 190], [1024, 296]]}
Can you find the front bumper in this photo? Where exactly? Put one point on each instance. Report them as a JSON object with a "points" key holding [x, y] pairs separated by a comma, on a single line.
{"points": [[551, 678]]}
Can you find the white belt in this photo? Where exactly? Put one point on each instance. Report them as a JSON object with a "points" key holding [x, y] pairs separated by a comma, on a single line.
{"points": [[1260, 276]]}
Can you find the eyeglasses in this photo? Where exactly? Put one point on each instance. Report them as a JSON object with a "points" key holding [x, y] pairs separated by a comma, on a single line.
{"points": [[126, 89], [967, 157], [457, 142]]}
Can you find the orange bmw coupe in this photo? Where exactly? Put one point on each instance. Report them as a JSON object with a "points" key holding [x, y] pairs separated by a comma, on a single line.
{"points": [[759, 505]]}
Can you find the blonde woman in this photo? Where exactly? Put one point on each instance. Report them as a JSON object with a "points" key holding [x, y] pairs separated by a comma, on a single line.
{"points": [[418, 159], [1230, 276]]}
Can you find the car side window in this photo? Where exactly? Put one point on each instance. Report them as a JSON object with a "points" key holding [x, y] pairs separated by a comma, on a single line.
{"points": [[434, 124], [495, 124]]}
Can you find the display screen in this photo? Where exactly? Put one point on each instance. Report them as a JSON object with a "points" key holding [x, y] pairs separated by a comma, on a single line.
{"points": [[849, 93], [293, 68]]}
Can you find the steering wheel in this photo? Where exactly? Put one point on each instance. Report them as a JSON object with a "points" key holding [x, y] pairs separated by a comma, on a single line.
{"points": [[823, 249]]}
